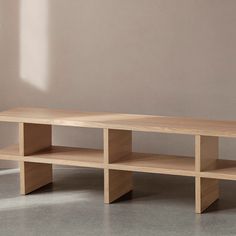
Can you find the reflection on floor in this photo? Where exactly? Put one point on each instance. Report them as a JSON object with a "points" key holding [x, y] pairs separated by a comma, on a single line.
{"points": [[73, 205]]}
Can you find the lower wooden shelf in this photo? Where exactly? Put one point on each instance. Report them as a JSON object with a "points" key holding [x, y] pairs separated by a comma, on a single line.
{"points": [[59, 155], [154, 163]]}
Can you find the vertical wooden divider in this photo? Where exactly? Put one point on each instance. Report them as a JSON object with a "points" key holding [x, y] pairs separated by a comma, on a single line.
{"points": [[117, 145], [206, 155], [33, 138]]}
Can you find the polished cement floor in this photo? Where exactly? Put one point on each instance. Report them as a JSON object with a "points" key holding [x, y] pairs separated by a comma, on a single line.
{"points": [[73, 205]]}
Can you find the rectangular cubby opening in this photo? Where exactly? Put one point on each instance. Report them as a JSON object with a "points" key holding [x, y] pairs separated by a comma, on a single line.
{"points": [[77, 146], [10, 131], [225, 166], [159, 153]]}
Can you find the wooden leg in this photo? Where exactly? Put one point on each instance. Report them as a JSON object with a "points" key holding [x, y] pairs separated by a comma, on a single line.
{"points": [[206, 193], [116, 184], [34, 176], [117, 145], [33, 138]]}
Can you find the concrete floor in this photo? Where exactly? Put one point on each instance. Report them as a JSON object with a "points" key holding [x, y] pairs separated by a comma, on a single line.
{"points": [[73, 205]]}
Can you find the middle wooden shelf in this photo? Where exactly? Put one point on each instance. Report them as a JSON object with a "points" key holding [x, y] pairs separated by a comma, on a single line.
{"points": [[83, 157], [94, 158], [156, 163], [137, 162]]}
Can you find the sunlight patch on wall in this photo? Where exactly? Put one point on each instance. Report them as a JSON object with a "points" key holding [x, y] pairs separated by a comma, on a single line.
{"points": [[34, 43]]}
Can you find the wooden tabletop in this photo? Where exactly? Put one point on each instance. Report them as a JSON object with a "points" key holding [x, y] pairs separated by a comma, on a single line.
{"points": [[151, 123]]}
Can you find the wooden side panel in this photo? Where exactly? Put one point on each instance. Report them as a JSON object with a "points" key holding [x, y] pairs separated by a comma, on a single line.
{"points": [[116, 184], [34, 176], [34, 137], [206, 193], [206, 152], [117, 145]]}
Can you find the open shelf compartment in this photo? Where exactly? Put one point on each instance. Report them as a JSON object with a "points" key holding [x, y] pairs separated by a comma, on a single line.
{"points": [[156, 163], [83, 157], [223, 169]]}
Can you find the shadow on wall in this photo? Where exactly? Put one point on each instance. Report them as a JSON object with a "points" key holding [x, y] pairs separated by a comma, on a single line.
{"points": [[156, 57]]}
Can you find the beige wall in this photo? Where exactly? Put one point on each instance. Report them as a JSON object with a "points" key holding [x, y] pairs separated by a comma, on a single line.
{"points": [[165, 57]]}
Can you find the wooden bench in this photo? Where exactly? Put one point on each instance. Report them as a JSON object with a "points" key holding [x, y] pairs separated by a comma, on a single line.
{"points": [[36, 153]]}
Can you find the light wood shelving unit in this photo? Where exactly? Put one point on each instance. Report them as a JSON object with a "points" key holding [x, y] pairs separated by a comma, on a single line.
{"points": [[36, 153]]}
